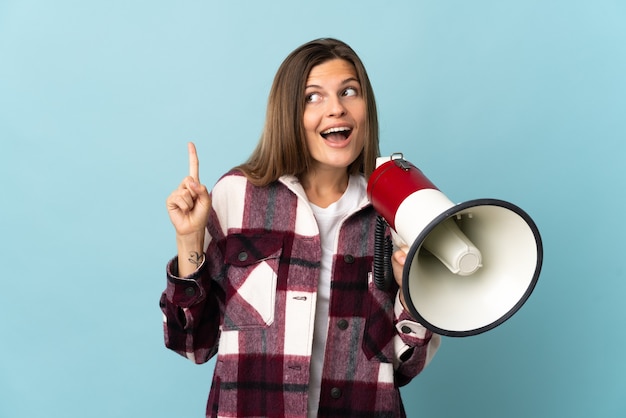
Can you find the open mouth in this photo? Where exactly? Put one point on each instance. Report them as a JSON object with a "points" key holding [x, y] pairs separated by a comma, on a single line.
{"points": [[336, 134]]}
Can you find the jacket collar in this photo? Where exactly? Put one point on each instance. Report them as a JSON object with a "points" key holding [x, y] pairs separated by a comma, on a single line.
{"points": [[295, 186]]}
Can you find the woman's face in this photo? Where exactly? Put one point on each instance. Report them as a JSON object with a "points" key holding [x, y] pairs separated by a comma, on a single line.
{"points": [[334, 115]]}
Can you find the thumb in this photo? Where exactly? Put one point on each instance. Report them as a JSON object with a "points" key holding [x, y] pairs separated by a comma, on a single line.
{"points": [[397, 263]]}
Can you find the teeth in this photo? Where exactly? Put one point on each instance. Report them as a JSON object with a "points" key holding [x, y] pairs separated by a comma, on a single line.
{"points": [[332, 130]]}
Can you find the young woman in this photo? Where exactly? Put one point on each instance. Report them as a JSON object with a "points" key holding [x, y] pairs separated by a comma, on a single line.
{"points": [[274, 267]]}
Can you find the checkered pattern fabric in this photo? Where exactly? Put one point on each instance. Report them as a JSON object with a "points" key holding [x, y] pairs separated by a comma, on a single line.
{"points": [[253, 304]]}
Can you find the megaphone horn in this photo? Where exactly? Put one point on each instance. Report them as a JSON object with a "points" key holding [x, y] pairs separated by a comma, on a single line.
{"points": [[470, 266]]}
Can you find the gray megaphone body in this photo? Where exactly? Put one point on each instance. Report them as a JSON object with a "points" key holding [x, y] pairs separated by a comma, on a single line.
{"points": [[470, 266]]}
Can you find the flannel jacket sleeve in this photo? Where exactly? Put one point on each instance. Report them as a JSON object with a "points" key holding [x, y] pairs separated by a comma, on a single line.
{"points": [[415, 346], [192, 306]]}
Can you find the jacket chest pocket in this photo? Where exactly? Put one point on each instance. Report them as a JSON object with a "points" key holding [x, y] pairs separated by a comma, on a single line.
{"points": [[252, 262]]}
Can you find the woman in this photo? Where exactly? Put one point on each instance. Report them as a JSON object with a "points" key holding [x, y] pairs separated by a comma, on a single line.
{"points": [[273, 271]]}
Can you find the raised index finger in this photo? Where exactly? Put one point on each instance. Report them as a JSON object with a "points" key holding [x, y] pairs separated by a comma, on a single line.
{"points": [[193, 162]]}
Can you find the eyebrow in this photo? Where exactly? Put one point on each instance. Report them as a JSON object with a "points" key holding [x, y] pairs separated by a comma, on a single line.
{"points": [[344, 82]]}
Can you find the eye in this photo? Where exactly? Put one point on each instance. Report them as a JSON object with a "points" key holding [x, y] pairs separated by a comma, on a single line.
{"points": [[313, 98], [350, 91]]}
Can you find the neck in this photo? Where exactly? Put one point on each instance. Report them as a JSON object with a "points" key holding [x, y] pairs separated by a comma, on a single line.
{"points": [[324, 189]]}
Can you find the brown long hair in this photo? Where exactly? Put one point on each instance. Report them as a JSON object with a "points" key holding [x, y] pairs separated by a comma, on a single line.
{"points": [[282, 147]]}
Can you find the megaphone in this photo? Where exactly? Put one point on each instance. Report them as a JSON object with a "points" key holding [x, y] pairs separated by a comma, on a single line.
{"points": [[470, 266]]}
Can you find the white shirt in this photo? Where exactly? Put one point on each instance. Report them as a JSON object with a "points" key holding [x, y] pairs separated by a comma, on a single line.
{"points": [[328, 220]]}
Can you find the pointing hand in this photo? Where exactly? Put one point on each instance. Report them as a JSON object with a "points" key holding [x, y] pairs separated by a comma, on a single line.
{"points": [[189, 205]]}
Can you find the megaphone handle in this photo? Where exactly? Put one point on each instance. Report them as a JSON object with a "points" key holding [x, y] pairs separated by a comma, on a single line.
{"points": [[383, 249]]}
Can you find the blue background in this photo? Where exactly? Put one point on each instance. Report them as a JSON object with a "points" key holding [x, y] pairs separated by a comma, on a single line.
{"points": [[518, 100]]}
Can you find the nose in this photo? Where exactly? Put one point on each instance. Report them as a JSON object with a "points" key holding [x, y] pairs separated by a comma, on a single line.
{"points": [[335, 107]]}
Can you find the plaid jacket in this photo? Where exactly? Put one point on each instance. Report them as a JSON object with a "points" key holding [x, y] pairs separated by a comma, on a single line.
{"points": [[253, 303]]}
